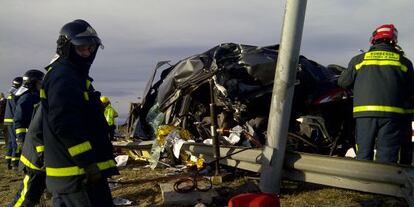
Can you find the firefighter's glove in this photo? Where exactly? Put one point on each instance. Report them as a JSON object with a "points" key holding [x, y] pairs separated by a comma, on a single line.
{"points": [[40, 160], [19, 143], [93, 175]]}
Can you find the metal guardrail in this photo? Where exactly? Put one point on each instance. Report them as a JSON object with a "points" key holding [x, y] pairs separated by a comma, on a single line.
{"points": [[133, 145], [365, 176]]}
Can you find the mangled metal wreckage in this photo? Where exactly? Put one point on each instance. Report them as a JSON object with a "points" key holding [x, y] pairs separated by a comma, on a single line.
{"points": [[241, 87]]}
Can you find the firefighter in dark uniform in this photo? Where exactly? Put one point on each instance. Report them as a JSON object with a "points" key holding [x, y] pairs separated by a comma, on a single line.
{"points": [[383, 84], [31, 163], [78, 153], [28, 97], [11, 153], [3, 102]]}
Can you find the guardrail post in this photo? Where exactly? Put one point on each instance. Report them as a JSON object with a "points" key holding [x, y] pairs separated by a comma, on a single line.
{"points": [[213, 117]]}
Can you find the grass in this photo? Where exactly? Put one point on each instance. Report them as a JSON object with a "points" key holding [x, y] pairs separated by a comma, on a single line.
{"points": [[145, 191]]}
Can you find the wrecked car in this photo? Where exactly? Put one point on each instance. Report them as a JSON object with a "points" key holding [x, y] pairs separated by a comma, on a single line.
{"points": [[238, 80]]}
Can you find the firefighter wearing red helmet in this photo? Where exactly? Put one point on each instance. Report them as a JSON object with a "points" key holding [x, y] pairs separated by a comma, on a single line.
{"points": [[383, 83], [386, 32]]}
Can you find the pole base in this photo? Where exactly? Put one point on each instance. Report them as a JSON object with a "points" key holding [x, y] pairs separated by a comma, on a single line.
{"points": [[216, 179]]}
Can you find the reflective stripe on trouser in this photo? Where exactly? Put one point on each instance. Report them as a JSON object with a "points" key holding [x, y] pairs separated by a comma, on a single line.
{"points": [[12, 151], [21, 130], [385, 132], [8, 121], [29, 164], [32, 189], [8, 162]]}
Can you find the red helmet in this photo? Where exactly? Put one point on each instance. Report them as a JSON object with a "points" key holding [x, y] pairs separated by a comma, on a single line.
{"points": [[386, 31]]}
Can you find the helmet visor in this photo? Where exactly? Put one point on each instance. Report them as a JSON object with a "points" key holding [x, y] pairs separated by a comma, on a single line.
{"points": [[91, 40]]}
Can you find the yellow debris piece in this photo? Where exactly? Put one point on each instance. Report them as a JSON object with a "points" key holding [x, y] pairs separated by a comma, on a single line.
{"points": [[200, 162], [162, 132], [165, 130]]}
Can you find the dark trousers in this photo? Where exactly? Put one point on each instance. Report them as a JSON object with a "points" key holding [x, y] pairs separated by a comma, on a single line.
{"points": [[92, 195], [112, 132], [8, 154], [406, 151], [12, 153], [386, 134], [31, 190]]}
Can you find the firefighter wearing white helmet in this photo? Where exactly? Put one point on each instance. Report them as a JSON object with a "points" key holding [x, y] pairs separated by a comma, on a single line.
{"points": [[383, 83], [11, 154]]}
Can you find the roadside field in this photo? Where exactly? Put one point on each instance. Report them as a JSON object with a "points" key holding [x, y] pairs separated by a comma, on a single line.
{"points": [[145, 191]]}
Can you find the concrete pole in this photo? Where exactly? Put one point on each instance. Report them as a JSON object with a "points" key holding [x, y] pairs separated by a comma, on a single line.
{"points": [[283, 88]]}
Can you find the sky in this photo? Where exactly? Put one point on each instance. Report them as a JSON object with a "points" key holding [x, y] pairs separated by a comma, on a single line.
{"points": [[139, 33]]}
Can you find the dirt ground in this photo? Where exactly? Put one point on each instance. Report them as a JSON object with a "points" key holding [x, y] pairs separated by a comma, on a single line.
{"points": [[145, 191]]}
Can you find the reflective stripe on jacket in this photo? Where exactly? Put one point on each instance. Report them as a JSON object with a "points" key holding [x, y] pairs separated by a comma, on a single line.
{"points": [[10, 107], [23, 113], [33, 148], [74, 127]]}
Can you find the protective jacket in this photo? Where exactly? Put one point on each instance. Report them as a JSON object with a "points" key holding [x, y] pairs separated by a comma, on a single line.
{"points": [[3, 102], [31, 163], [10, 107], [23, 113], [110, 114], [75, 130], [33, 148], [383, 82], [11, 154]]}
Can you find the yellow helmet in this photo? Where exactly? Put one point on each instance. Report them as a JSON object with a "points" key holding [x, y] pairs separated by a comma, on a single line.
{"points": [[104, 99]]}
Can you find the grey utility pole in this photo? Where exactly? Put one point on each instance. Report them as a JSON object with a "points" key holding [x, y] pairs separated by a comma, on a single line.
{"points": [[283, 88]]}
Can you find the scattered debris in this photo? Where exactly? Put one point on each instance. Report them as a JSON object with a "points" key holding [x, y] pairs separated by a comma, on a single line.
{"points": [[172, 197], [121, 201], [121, 160], [200, 204]]}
